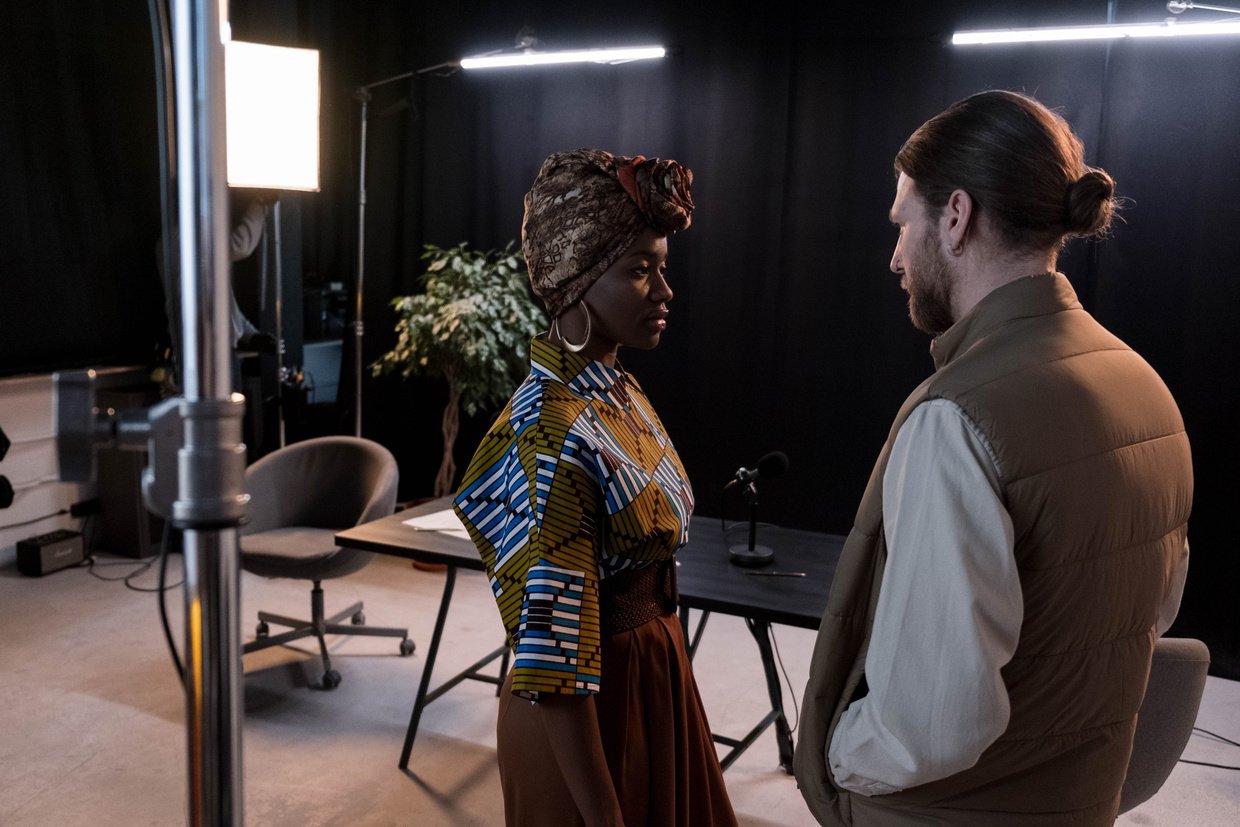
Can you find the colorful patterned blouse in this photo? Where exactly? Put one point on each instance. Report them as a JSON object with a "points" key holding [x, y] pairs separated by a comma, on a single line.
{"points": [[575, 481]]}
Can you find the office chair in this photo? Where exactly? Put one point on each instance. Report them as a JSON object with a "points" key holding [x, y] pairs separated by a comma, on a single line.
{"points": [[1165, 720], [301, 495]]}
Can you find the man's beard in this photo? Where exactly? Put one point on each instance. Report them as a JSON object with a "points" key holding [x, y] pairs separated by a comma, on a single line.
{"points": [[930, 280]]}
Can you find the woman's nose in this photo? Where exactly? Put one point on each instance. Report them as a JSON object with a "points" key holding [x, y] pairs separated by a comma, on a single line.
{"points": [[661, 291]]}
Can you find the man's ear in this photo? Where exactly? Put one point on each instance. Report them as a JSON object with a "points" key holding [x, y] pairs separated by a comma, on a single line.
{"points": [[956, 221]]}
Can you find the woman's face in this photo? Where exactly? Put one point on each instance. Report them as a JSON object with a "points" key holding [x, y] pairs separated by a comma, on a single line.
{"points": [[628, 303]]}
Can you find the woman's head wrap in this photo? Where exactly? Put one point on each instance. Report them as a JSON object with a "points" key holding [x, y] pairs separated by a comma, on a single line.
{"points": [[586, 208]]}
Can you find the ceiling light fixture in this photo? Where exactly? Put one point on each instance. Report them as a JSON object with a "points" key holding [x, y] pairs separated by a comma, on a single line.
{"points": [[1109, 31], [531, 57]]}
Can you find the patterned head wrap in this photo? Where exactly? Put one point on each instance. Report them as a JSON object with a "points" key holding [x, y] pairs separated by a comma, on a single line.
{"points": [[586, 208]]}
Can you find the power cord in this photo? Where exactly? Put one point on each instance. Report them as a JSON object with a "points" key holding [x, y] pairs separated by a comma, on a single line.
{"points": [[163, 606], [91, 562], [34, 520], [796, 711], [160, 589], [1218, 737]]}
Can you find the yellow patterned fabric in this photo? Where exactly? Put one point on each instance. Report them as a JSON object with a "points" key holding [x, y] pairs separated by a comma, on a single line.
{"points": [[575, 482]]}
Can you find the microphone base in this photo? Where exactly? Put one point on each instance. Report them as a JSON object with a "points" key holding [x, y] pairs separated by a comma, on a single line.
{"points": [[751, 557]]}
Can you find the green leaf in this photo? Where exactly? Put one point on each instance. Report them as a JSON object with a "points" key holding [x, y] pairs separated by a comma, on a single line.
{"points": [[474, 318]]}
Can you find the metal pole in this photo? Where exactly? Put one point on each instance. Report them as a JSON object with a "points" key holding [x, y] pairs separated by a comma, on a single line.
{"points": [[211, 465], [279, 308], [362, 93], [364, 97]]}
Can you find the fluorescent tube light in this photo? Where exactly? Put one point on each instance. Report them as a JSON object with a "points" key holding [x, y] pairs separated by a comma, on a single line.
{"points": [[576, 56], [1105, 32], [271, 98]]}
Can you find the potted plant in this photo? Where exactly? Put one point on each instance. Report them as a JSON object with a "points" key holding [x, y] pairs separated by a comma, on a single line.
{"points": [[472, 326]]}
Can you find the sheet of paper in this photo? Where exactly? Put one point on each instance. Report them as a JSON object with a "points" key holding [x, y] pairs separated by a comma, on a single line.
{"points": [[442, 522]]}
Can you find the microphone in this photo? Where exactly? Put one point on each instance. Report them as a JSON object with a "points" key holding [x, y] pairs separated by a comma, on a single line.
{"points": [[772, 465]]}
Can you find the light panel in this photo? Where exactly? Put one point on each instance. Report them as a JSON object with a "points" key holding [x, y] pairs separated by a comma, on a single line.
{"points": [[621, 55], [1110, 31], [272, 113]]}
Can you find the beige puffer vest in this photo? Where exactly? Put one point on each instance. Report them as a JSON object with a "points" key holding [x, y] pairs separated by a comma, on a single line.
{"points": [[1097, 477]]}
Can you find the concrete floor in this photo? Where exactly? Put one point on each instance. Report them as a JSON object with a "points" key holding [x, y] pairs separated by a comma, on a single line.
{"points": [[92, 716]]}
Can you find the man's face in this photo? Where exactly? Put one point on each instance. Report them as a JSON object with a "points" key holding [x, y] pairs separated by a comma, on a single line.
{"points": [[926, 274]]}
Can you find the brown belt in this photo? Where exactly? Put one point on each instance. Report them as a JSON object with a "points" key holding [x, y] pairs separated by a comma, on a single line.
{"points": [[631, 598]]}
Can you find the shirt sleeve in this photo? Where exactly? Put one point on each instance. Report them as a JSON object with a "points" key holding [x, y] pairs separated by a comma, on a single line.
{"points": [[531, 500], [247, 232], [948, 615], [558, 636]]}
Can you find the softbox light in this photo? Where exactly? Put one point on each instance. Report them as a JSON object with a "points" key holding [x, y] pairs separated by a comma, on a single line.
{"points": [[272, 112]]}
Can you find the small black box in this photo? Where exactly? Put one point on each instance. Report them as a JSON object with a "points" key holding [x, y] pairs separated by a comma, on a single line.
{"points": [[50, 552]]}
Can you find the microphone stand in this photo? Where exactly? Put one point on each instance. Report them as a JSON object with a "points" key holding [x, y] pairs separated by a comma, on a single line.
{"points": [[752, 555]]}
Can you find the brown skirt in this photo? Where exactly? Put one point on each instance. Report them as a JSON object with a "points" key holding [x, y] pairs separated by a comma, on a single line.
{"points": [[654, 733]]}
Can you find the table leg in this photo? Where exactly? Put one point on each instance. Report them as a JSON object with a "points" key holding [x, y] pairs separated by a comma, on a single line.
{"points": [[761, 632], [420, 701], [692, 641]]}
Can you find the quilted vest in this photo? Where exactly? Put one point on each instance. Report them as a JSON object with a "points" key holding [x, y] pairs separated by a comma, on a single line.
{"points": [[1096, 475]]}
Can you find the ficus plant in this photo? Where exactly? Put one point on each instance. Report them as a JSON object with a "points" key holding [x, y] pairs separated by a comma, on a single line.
{"points": [[471, 325]]}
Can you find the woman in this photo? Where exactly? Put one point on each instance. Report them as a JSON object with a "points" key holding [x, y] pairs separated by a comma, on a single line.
{"points": [[577, 502]]}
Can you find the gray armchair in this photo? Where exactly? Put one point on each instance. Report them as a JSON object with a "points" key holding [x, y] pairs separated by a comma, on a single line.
{"points": [[301, 495], [1165, 720]]}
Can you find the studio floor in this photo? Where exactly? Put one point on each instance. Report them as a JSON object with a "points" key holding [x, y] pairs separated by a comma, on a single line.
{"points": [[92, 717]]}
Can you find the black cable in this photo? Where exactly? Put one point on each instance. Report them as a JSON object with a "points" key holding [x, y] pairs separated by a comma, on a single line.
{"points": [[1216, 735], [35, 520], [91, 562], [165, 109], [90, 531], [163, 607], [1208, 764], [796, 710], [165, 104]]}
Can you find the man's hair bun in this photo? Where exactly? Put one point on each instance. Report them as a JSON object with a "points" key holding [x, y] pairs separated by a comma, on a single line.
{"points": [[1091, 204]]}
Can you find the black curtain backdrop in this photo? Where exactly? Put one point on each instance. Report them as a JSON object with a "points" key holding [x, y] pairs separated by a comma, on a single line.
{"points": [[787, 330]]}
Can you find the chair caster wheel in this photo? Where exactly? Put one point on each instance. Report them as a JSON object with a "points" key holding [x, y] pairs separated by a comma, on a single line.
{"points": [[331, 679], [261, 629], [407, 647], [359, 619]]}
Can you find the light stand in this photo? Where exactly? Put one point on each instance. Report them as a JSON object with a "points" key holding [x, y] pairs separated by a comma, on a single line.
{"points": [[278, 266], [524, 54], [751, 555], [362, 95], [273, 144], [195, 476]]}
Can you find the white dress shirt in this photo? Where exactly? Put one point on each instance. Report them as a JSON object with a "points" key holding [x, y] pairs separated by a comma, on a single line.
{"points": [[948, 616]]}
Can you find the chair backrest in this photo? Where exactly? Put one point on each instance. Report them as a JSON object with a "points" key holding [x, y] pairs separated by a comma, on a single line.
{"points": [[329, 482], [1166, 718]]}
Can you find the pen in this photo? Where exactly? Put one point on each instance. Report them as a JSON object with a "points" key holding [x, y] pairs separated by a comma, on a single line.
{"points": [[779, 573]]}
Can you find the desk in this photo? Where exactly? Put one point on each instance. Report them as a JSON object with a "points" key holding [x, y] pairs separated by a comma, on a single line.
{"points": [[706, 579], [710, 582], [390, 535]]}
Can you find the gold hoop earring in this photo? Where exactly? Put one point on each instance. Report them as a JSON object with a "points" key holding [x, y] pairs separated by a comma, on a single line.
{"points": [[572, 347]]}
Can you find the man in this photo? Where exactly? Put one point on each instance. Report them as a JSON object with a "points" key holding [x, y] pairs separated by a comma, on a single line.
{"points": [[1022, 539]]}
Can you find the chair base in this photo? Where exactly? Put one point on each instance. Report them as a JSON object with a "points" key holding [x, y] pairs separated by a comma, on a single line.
{"points": [[318, 627]]}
